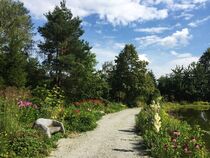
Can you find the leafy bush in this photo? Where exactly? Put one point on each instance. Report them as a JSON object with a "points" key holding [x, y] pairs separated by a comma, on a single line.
{"points": [[175, 138], [114, 107], [50, 102], [82, 117], [27, 143], [78, 119]]}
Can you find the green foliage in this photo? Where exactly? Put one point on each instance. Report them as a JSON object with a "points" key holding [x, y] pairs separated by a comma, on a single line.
{"points": [[50, 102], [15, 38], [114, 107], [28, 115], [80, 120], [82, 117], [175, 138], [26, 143], [36, 75], [130, 78], [9, 114], [67, 56], [188, 84]]}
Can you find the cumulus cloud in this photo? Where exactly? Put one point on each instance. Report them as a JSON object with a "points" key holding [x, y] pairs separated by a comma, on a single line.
{"points": [[153, 29], [116, 12], [187, 4], [178, 38], [156, 2], [103, 55], [143, 57], [181, 59], [199, 22], [177, 5]]}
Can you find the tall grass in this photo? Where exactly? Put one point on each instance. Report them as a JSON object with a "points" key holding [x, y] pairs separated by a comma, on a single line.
{"points": [[9, 114]]}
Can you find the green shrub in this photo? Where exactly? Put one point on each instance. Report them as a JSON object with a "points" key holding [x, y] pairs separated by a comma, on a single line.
{"points": [[50, 102], [114, 107], [79, 120], [28, 115], [29, 143]]}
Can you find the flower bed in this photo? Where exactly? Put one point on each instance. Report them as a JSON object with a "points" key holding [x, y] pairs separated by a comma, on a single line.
{"points": [[18, 139], [168, 137]]}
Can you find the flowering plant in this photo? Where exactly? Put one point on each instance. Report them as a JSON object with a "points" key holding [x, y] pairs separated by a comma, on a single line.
{"points": [[22, 103], [156, 120]]}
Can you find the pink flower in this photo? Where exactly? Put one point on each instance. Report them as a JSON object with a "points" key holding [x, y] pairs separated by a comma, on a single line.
{"points": [[173, 140], [176, 133], [25, 104]]}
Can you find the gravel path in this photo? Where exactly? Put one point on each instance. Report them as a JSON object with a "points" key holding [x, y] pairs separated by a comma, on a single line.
{"points": [[113, 138]]}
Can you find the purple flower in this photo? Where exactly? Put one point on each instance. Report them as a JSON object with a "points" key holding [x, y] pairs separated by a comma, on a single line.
{"points": [[22, 103]]}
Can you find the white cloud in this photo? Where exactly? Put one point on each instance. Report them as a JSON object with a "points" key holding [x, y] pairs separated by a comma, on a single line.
{"points": [[116, 12], [180, 55], [184, 15], [103, 55], [153, 29], [180, 59], [143, 57], [199, 22], [156, 2], [176, 39], [175, 5], [187, 4], [183, 61], [183, 6], [118, 46]]}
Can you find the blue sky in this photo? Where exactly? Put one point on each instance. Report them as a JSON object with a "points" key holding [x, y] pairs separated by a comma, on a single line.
{"points": [[165, 32]]}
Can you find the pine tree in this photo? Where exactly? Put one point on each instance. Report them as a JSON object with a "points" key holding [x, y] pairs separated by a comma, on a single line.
{"points": [[68, 58]]}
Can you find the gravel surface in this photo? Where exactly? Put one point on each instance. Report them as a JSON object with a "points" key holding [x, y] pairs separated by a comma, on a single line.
{"points": [[113, 138]]}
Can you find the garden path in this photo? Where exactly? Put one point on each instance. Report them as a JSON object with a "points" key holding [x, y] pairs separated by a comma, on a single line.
{"points": [[114, 137]]}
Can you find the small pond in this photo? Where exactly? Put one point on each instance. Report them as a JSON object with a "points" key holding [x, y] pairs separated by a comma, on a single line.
{"points": [[196, 117]]}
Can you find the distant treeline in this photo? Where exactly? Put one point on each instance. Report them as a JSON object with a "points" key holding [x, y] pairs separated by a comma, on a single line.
{"points": [[188, 84]]}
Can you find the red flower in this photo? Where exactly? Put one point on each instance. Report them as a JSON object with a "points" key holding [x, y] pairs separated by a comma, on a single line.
{"points": [[77, 111]]}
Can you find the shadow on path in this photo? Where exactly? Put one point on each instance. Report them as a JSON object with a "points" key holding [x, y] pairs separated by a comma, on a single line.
{"points": [[136, 142], [123, 150]]}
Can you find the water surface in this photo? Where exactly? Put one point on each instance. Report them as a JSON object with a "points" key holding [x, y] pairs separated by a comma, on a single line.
{"points": [[196, 117]]}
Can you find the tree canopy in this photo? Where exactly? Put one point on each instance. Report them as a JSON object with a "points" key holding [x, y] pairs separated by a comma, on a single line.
{"points": [[69, 61], [15, 39], [188, 84], [130, 78]]}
